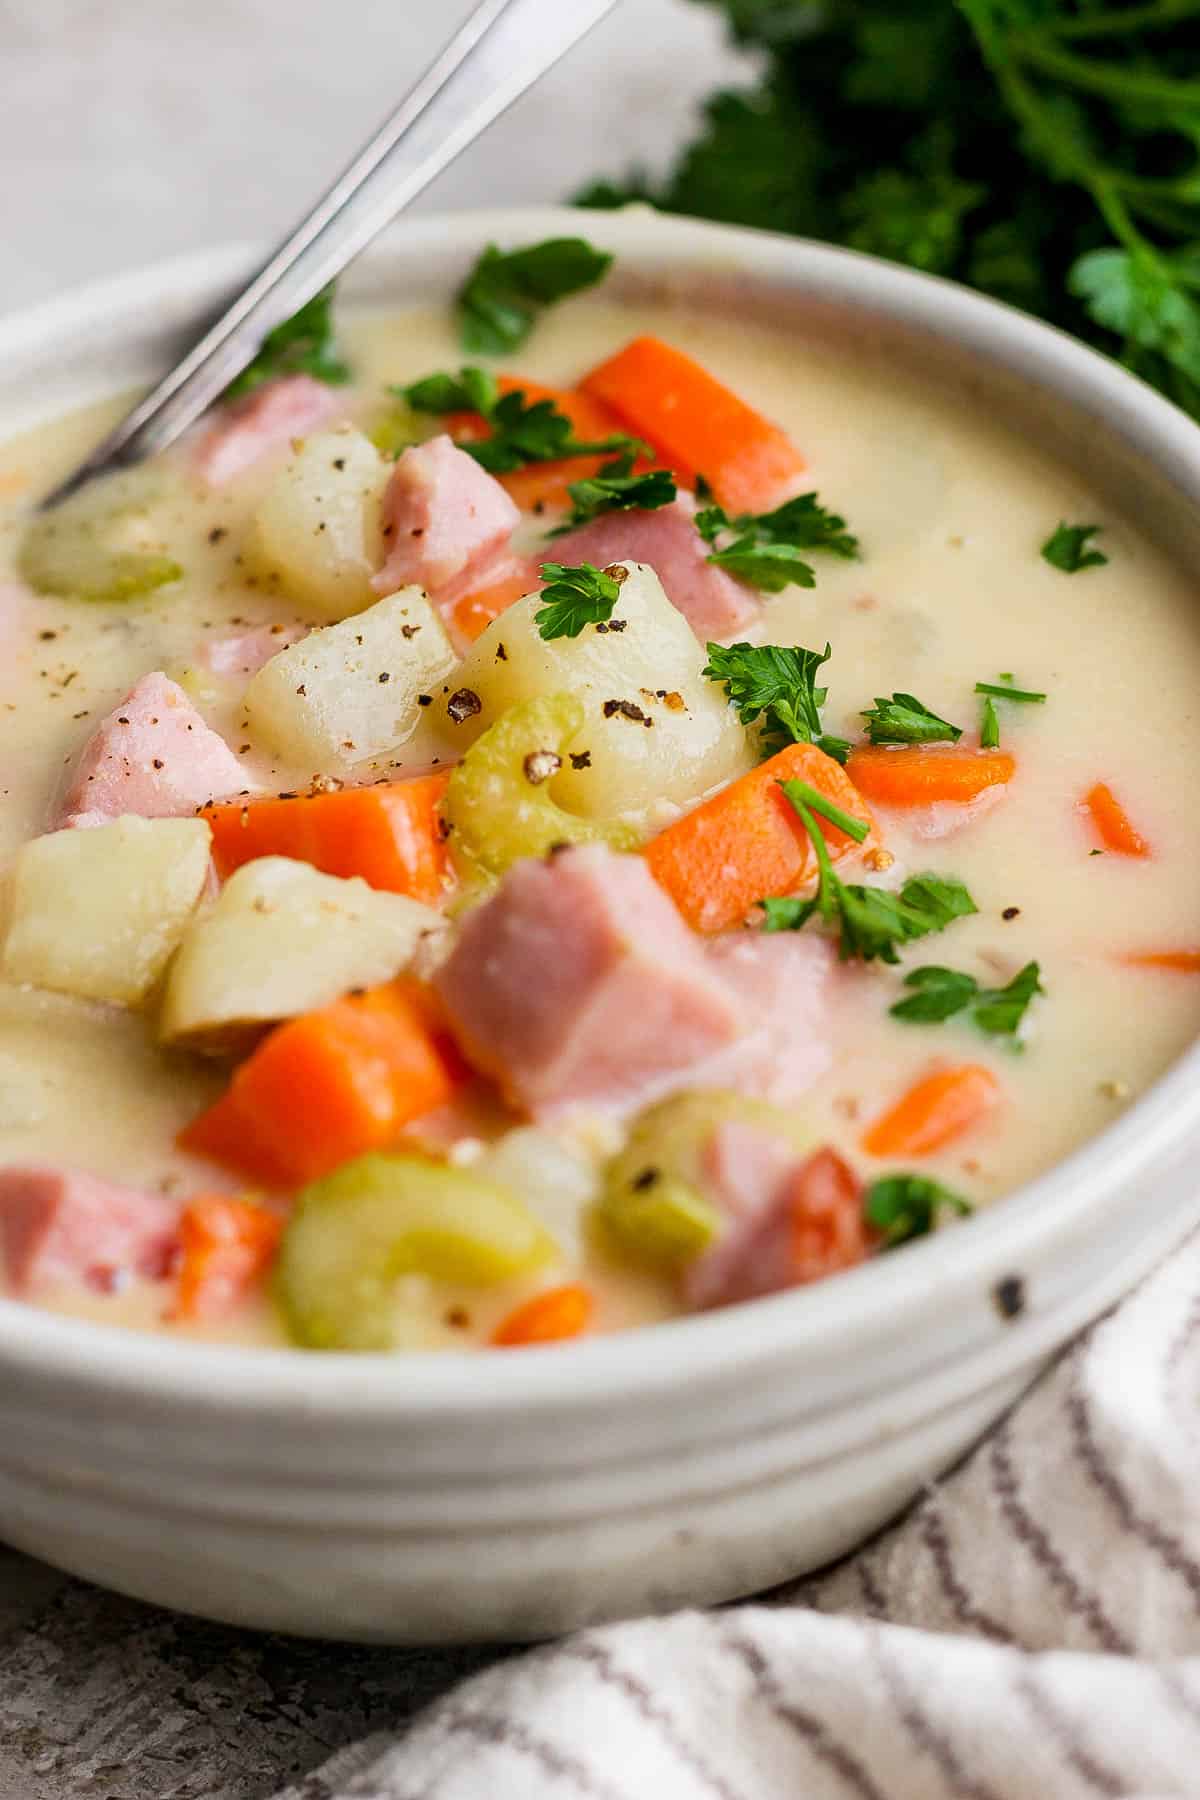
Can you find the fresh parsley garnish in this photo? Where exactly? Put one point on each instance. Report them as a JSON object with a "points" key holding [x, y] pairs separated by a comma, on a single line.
{"points": [[301, 345], [906, 720], [505, 291], [521, 433], [765, 548], [902, 1207], [1067, 547], [870, 921], [573, 598], [989, 729], [776, 684], [939, 994], [1004, 690], [615, 488]]}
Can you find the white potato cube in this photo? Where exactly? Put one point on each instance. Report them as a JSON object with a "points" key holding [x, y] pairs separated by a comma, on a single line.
{"points": [[319, 527], [656, 728], [281, 939], [349, 691], [97, 912]]}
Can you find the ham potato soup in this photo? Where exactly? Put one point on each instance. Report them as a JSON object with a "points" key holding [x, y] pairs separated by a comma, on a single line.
{"points": [[543, 817]]}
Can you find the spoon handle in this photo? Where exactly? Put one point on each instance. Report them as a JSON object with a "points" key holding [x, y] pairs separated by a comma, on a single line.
{"points": [[502, 49]]}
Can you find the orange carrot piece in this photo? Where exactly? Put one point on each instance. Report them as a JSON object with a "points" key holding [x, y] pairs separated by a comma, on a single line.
{"points": [[472, 615], [1183, 962], [226, 1245], [938, 1109], [330, 1085], [923, 774], [700, 426], [558, 1313], [390, 834], [1113, 825], [827, 1231], [747, 842]]}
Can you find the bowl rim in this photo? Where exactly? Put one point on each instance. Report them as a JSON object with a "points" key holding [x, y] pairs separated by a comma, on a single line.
{"points": [[1005, 1236]]}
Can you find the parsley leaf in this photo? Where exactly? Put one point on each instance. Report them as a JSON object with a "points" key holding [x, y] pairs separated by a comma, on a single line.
{"points": [[575, 597], [765, 548], [905, 720], [871, 922], [501, 297], [1004, 690], [989, 730], [1067, 548], [938, 994], [616, 489], [778, 685], [301, 345], [902, 1207], [521, 433]]}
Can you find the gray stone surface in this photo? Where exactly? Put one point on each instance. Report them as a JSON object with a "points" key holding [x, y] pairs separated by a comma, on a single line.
{"points": [[130, 130]]}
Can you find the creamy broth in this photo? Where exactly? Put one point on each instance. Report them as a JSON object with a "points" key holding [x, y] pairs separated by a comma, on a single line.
{"points": [[951, 507]]}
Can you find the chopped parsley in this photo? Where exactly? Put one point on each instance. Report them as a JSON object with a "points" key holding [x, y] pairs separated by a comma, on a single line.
{"points": [[575, 597], [521, 432], [902, 1207], [301, 345], [989, 729], [1067, 548], [906, 720], [870, 921], [939, 994], [1004, 690], [502, 296], [777, 684], [765, 548], [616, 489]]}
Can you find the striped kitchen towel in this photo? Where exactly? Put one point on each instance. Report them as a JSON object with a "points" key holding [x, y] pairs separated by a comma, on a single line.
{"points": [[1030, 1631]]}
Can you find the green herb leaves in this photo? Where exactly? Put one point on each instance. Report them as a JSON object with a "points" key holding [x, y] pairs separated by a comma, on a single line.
{"points": [[938, 994], [1067, 548], [302, 345], [765, 548], [520, 433], [575, 597], [905, 720], [503, 294], [902, 1207], [870, 922], [989, 730], [777, 685], [616, 489]]}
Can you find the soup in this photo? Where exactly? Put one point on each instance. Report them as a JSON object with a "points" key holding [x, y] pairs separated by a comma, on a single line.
{"points": [[427, 931]]}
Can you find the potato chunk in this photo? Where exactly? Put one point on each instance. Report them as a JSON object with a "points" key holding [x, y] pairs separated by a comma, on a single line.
{"points": [[349, 691], [97, 913], [281, 939], [319, 527], [654, 727]]}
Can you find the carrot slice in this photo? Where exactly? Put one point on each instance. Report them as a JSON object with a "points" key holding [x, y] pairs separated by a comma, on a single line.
{"points": [[474, 612], [390, 834], [923, 774], [746, 842], [1183, 962], [1113, 825], [330, 1085], [826, 1227], [226, 1245], [561, 1312], [938, 1109], [700, 425]]}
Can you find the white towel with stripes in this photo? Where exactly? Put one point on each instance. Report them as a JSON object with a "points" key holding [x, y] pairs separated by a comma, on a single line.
{"points": [[1030, 1631]]}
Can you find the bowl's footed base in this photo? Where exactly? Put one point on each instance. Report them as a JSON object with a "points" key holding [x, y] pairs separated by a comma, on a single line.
{"points": [[461, 1585]]}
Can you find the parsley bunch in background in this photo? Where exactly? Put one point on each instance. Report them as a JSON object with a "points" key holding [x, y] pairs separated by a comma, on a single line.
{"points": [[1045, 151]]}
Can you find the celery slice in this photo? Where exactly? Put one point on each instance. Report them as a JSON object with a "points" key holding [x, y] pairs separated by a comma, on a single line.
{"points": [[101, 544], [354, 1233]]}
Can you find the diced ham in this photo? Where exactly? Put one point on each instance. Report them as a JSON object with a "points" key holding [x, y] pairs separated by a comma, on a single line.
{"points": [[811, 1226], [742, 1166], [267, 419], [443, 516], [780, 982], [153, 755], [578, 986], [62, 1228], [712, 602], [245, 652]]}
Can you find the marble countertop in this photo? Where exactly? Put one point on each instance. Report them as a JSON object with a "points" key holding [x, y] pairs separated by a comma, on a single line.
{"points": [[131, 131]]}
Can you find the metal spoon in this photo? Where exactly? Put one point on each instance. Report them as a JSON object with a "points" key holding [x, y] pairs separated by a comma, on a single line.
{"points": [[502, 49]]}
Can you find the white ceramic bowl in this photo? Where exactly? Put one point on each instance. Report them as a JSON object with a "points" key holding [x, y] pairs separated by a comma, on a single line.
{"points": [[434, 1497]]}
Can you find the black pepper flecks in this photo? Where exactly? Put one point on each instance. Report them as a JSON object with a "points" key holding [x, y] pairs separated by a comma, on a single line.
{"points": [[463, 703], [645, 1178], [581, 759], [384, 676], [1008, 1296], [626, 709], [540, 765], [1010, 912]]}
